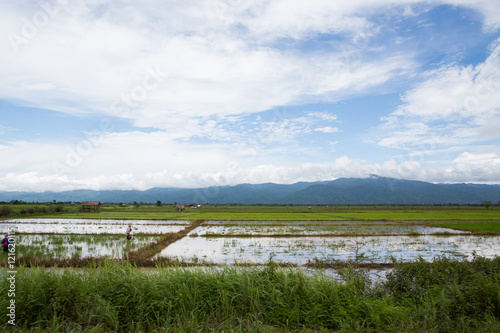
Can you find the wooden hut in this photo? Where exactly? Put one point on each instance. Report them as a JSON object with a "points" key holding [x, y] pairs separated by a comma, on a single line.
{"points": [[91, 206]]}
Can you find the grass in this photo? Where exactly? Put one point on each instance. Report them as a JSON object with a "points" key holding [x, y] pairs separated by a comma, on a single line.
{"points": [[477, 226], [443, 296], [277, 213]]}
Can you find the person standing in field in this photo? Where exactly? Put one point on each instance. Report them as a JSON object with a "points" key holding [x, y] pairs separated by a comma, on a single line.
{"points": [[5, 244], [129, 232]]}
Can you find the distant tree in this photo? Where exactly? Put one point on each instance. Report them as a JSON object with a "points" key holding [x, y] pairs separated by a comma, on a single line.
{"points": [[158, 203], [486, 204], [136, 204]]}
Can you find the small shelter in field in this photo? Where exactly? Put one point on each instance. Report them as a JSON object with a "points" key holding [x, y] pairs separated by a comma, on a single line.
{"points": [[180, 208], [91, 206]]}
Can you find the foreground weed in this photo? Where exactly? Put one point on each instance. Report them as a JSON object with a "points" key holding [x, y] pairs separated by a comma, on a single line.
{"points": [[442, 296]]}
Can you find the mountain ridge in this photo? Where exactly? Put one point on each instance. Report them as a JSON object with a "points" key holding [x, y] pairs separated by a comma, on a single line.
{"points": [[372, 190]]}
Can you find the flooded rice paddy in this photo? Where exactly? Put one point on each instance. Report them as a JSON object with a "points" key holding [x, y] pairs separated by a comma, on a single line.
{"points": [[267, 228], [300, 250], [92, 226], [229, 242], [79, 246]]}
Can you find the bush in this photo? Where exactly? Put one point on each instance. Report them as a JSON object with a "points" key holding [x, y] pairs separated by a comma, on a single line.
{"points": [[5, 211], [457, 290]]}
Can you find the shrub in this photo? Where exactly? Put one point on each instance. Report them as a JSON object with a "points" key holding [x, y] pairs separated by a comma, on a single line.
{"points": [[454, 288], [5, 211]]}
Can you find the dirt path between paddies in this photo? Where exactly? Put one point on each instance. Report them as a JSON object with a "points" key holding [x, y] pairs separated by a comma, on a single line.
{"points": [[147, 253]]}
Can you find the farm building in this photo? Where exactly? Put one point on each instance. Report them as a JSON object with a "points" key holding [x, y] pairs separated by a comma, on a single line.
{"points": [[91, 206]]}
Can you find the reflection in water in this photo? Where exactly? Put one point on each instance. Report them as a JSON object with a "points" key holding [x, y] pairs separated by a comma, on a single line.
{"points": [[97, 238], [92, 226], [79, 246], [377, 249], [324, 228]]}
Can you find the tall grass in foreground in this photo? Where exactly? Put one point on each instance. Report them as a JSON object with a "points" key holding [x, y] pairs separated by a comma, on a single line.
{"points": [[444, 296]]}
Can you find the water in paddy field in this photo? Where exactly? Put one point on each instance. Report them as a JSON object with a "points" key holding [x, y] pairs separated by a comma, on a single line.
{"points": [[229, 242], [376, 249], [316, 228], [80, 246], [92, 226]]}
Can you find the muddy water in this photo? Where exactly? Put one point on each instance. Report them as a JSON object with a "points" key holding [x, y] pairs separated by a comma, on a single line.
{"points": [[377, 249]]}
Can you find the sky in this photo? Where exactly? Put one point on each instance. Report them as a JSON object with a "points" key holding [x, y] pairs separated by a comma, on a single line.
{"points": [[181, 93]]}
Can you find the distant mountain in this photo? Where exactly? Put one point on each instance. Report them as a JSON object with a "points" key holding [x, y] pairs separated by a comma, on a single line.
{"points": [[373, 190]]}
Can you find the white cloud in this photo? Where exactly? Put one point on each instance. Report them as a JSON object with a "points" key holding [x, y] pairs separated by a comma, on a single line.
{"points": [[489, 9], [476, 167], [99, 59], [456, 91], [324, 116], [467, 167], [453, 106], [327, 129]]}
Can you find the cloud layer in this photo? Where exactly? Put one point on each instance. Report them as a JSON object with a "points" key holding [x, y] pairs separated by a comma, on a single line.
{"points": [[207, 87]]}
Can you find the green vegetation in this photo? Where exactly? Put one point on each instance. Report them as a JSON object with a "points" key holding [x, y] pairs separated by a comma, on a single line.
{"points": [[263, 213], [443, 296], [471, 218], [124, 295], [35, 210], [474, 218], [477, 226]]}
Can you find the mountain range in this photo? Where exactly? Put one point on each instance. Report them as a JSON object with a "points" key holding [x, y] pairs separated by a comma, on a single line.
{"points": [[372, 190]]}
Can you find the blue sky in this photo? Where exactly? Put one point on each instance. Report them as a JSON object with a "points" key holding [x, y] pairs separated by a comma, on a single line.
{"points": [[134, 95]]}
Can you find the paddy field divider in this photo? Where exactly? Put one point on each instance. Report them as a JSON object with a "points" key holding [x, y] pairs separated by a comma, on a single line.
{"points": [[148, 252]]}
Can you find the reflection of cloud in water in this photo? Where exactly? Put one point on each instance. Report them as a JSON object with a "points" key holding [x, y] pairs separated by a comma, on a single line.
{"points": [[81, 246], [293, 223], [93, 226], [86, 221], [318, 229], [378, 249], [76, 239]]}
